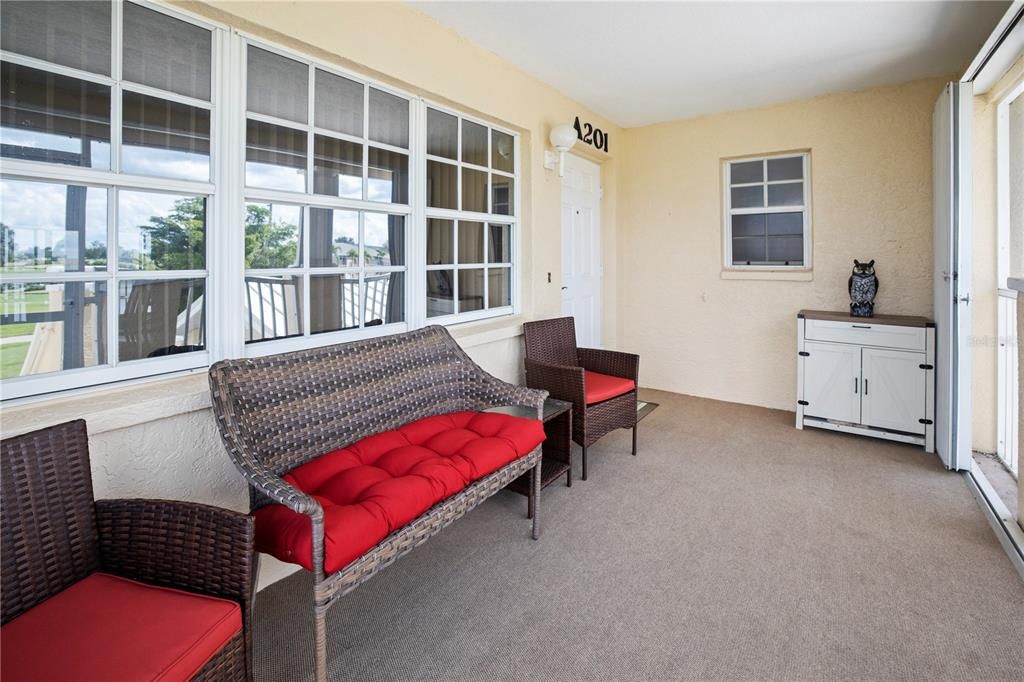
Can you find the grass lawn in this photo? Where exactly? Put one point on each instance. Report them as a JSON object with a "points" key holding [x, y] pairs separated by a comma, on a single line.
{"points": [[12, 356], [35, 302]]}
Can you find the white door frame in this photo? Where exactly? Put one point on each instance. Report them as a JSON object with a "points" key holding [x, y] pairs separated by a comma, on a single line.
{"points": [[951, 126], [1007, 377], [574, 195]]}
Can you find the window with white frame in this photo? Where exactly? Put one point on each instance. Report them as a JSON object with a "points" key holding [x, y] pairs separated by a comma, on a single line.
{"points": [[327, 200], [135, 240], [767, 211], [471, 217], [106, 132]]}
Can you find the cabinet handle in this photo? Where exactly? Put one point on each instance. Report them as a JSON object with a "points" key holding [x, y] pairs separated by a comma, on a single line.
{"points": [[855, 382], [865, 387], [861, 326]]}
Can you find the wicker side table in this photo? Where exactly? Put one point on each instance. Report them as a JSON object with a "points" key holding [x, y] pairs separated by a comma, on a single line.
{"points": [[557, 448]]}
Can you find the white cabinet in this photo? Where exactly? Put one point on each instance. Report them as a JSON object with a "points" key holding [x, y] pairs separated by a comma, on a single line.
{"points": [[870, 376], [829, 368]]}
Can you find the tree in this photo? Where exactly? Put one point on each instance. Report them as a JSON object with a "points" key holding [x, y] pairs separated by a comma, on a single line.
{"points": [[178, 241], [269, 243]]}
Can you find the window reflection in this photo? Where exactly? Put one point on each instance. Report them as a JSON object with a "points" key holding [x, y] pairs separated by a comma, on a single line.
{"points": [[337, 167], [502, 194], [160, 317], [273, 307], [474, 190], [54, 119], [333, 303], [333, 238], [442, 185], [50, 227], [471, 242], [165, 138], [440, 292], [471, 290], [499, 287], [161, 231], [384, 239], [383, 298], [275, 157], [439, 241], [273, 234], [388, 176], [49, 327]]}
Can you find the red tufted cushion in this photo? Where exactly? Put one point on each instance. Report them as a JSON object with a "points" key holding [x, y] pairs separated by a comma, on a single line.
{"points": [[383, 482], [110, 628], [601, 387]]}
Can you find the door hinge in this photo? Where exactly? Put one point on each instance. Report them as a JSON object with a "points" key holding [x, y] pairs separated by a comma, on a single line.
{"points": [[804, 353], [927, 366], [802, 402], [925, 421]]}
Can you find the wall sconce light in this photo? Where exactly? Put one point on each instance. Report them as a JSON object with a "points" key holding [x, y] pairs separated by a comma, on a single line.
{"points": [[562, 138]]}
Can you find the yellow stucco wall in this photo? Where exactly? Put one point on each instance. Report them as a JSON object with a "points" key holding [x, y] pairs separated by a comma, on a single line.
{"points": [[735, 340]]}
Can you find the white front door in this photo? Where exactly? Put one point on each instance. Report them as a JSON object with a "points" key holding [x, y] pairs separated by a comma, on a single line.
{"points": [[951, 124], [832, 381], [893, 389], [581, 248]]}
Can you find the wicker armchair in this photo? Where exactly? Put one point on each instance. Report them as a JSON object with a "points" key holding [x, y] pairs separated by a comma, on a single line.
{"points": [[555, 364], [280, 412], [57, 542]]}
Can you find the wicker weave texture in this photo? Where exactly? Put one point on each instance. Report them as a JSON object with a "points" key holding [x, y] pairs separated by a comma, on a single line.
{"points": [[555, 364], [54, 535], [279, 412], [49, 527]]}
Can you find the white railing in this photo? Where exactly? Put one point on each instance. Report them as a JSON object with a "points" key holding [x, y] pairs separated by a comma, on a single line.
{"points": [[1007, 365]]}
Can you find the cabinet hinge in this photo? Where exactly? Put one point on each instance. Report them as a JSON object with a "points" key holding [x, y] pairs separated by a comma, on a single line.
{"points": [[925, 421], [927, 366], [803, 353], [802, 402]]}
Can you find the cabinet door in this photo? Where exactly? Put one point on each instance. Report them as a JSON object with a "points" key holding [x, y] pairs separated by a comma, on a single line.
{"points": [[832, 381], [894, 389]]}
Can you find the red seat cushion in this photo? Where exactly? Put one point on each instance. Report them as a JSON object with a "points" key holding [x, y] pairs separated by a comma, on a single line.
{"points": [[110, 628], [601, 387], [383, 482]]}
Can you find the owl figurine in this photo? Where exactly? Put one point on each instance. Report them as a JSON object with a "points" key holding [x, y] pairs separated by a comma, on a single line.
{"points": [[863, 287]]}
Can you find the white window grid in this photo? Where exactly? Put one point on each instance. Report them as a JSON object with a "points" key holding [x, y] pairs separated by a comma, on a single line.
{"points": [[226, 199], [488, 218], [728, 211], [113, 181], [309, 200]]}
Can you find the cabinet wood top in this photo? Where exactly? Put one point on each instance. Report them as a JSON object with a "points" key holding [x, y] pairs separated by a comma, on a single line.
{"points": [[896, 320]]}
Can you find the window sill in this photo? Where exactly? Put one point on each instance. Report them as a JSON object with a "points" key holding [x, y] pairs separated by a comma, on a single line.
{"points": [[768, 274], [478, 333], [112, 408]]}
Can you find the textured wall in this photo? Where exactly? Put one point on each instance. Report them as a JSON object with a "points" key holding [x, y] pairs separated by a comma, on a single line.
{"points": [[735, 340]]}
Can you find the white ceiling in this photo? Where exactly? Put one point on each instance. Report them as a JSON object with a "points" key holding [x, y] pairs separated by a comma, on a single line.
{"points": [[644, 62]]}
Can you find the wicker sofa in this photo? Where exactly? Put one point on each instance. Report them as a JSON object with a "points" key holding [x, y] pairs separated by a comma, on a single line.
{"points": [[115, 589], [357, 453]]}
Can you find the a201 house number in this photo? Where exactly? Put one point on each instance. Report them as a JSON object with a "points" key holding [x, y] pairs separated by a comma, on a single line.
{"points": [[595, 137]]}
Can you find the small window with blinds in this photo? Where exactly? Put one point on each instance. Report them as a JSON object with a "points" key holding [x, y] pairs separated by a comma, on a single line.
{"points": [[766, 210]]}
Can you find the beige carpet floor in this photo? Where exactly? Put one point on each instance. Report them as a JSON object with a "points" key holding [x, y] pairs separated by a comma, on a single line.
{"points": [[733, 548]]}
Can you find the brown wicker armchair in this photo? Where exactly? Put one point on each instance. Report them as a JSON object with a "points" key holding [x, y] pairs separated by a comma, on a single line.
{"points": [[601, 384], [66, 559]]}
